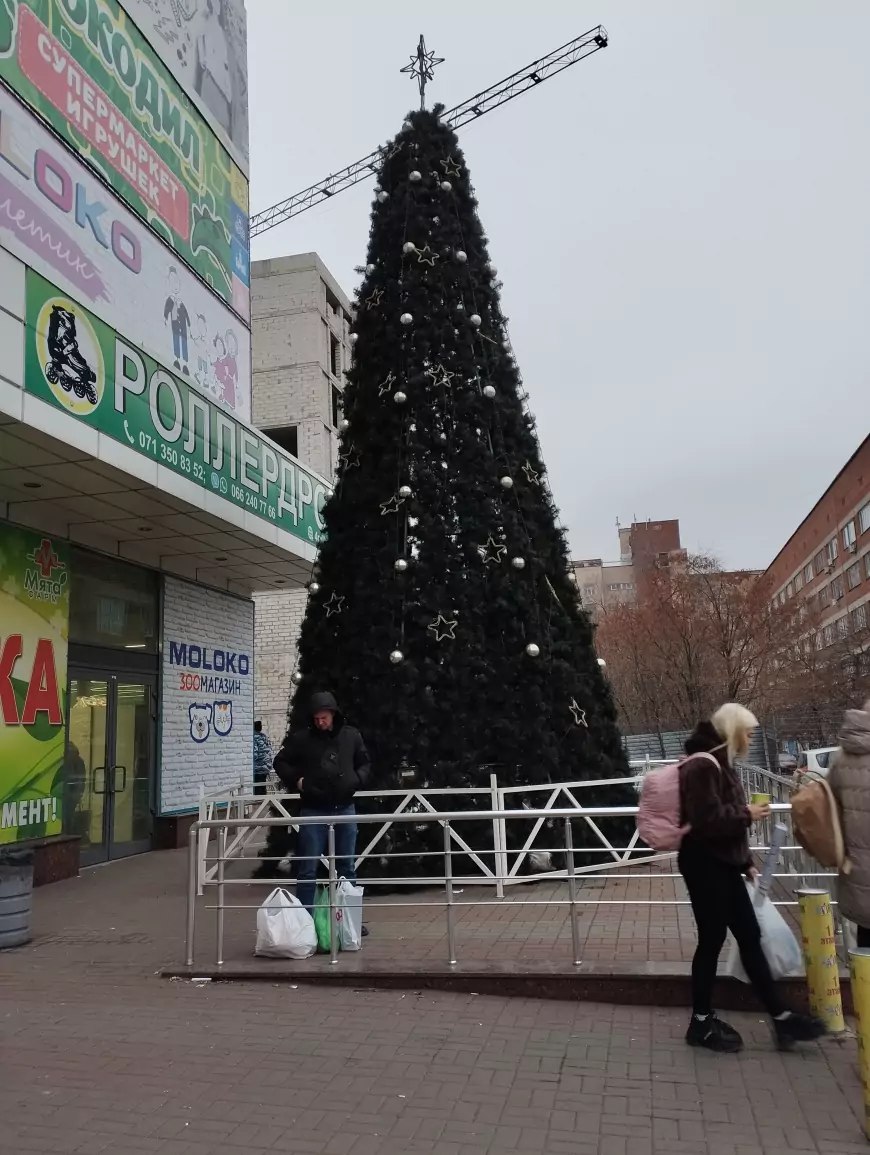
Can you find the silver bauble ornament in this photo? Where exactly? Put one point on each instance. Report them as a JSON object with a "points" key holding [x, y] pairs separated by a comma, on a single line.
{"points": [[436, 220], [475, 320], [572, 578], [400, 398], [518, 562], [442, 436], [407, 124], [602, 663], [370, 269], [443, 464], [532, 650], [397, 657], [447, 186], [314, 588], [507, 482], [404, 491], [295, 677], [506, 345], [406, 319], [415, 175], [353, 338], [489, 391], [344, 426], [409, 247], [460, 308], [461, 257], [492, 269], [383, 196], [401, 565]]}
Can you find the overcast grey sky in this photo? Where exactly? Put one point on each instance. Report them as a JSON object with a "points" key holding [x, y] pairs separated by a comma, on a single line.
{"points": [[680, 222]]}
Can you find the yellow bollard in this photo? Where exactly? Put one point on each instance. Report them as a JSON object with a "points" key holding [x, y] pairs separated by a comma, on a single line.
{"points": [[820, 958], [859, 965]]}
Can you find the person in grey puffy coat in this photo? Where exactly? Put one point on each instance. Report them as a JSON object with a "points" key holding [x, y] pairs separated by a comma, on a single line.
{"points": [[849, 779]]}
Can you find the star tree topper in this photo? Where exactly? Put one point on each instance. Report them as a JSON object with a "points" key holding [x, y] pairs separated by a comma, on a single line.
{"points": [[422, 68]]}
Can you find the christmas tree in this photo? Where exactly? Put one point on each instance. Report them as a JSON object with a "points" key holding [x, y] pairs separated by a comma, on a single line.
{"points": [[444, 613]]}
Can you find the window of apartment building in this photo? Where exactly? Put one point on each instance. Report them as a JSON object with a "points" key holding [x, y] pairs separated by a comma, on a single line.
{"points": [[828, 634], [287, 436], [824, 597], [808, 645], [859, 618], [334, 355], [819, 562], [867, 565], [849, 537], [853, 576], [837, 590], [336, 405], [332, 302], [864, 519], [802, 612], [615, 586], [799, 582], [810, 603], [782, 597], [831, 551], [808, 573], [842, 627], [789, 590], [820, 641]]}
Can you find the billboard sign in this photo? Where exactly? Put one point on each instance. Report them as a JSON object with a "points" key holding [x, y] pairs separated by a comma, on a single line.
{"points": [[89, 72], [34, 628], [203, 43], [77, 363], [57, 217]]}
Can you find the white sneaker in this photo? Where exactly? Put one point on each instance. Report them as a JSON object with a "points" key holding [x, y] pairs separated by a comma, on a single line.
{"points": [[284, 865]]}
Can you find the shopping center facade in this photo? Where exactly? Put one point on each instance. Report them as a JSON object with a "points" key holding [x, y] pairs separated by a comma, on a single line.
{"points": [[139, 508]]}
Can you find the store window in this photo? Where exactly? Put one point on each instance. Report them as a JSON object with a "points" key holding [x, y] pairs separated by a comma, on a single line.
{"points": [[112, 604]]}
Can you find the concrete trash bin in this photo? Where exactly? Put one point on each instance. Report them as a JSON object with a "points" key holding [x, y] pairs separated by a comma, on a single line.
{"points": [[16, 892]]}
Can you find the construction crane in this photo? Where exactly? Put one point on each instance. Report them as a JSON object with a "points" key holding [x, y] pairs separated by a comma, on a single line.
{"points": [[529, 77]]}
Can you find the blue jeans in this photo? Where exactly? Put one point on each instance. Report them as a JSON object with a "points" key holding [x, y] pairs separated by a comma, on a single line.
{"points": [[313, 842]]}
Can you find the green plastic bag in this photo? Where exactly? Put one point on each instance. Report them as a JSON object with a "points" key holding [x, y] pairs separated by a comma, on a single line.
{"points": [[321, 919]]}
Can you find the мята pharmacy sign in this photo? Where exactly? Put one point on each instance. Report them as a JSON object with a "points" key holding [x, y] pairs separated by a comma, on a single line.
{"points": [[78, 364]]}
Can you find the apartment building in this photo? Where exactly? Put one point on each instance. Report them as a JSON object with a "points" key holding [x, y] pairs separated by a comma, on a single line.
{"points": [[826, 561], [300, 320], [644, 547]]}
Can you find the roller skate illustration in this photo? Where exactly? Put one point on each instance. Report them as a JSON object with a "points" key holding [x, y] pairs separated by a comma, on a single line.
{"points": [[67, 366]]}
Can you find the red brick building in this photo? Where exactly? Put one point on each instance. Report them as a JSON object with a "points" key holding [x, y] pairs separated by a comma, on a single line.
{"points": [[826, 561]]}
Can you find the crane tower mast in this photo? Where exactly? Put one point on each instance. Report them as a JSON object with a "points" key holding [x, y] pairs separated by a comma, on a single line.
{"points": [[472, 109]]}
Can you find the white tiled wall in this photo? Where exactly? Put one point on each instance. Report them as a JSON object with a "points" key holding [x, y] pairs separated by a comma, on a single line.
{"points": [[213, 621], [278, 621]]}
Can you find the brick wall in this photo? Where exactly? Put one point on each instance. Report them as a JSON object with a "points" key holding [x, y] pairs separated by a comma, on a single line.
{"points": [[210, 622], [277, 621]]}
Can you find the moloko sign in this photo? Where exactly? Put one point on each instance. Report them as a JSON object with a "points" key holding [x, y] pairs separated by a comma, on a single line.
{"points": [[197, 657], [76, 363], [86, 68], [59, 219]]}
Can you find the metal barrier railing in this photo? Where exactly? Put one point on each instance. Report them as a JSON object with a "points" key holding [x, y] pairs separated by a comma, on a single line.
{"points": [[453, 844]]}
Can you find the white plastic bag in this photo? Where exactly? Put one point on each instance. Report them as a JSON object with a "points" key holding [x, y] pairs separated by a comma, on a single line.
{"points": [[348, 914], [285, 929], [781, 949]]}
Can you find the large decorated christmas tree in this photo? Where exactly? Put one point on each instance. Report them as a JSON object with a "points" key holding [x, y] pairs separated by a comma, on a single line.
{"points": [[444, 613]]}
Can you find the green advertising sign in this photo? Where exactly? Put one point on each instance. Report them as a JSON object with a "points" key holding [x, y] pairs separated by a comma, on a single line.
{"points": [[78, 364], [34, 623], [87, 70]]}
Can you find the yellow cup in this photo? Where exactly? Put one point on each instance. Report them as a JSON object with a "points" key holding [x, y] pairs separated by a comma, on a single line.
{"points": [[760, 799]]}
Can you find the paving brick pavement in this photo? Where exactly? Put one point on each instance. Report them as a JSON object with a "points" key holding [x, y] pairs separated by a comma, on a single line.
{"points": [[98, 1054]]}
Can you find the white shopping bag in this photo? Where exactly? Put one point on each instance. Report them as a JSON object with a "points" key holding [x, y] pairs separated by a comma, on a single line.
{"points": [[781, 949], [348, 914], [285, 929]]}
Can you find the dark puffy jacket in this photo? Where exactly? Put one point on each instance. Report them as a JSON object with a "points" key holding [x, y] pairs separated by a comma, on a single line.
{"points": [[713, 802], [333, 764]]}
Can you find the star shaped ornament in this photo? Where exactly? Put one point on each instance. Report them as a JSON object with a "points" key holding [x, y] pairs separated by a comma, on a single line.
{"points": [[492, 552], [451, 167], [532, 476], [579, 715], [440, 376], [425, 256], [442, 628], [350, 457], [391, 506], [374, 298], [334, 605], [387, 384]]}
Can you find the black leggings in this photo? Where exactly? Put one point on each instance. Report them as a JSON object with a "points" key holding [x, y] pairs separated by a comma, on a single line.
{"points": [[720, 902]]}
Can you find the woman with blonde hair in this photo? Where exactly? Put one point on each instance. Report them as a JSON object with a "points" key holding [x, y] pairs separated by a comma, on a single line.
{"points": [[715, 861]]}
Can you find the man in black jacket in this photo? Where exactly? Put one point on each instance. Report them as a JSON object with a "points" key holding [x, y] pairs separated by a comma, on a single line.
{"points": [[326, 763]]}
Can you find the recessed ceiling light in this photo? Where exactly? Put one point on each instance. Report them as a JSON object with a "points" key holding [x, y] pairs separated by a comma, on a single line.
{"points": [[280, 582], [221, 558], [32, 485], [146, 528]]}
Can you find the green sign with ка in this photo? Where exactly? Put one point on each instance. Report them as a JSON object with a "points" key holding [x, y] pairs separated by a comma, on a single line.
{"points": [[77, 363]]}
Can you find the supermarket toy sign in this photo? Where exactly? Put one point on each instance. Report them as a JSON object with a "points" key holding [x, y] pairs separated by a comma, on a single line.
{"points": [[34, 617], [89, 72]]}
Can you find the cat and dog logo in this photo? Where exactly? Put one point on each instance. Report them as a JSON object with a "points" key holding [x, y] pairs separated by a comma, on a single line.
{"points": [[205, 716], [71, 356]]}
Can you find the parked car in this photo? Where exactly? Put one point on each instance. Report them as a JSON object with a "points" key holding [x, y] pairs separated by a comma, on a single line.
{"points": [[815, 761], [787, 763]]}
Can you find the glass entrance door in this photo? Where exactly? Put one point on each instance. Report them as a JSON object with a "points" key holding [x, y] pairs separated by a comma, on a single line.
{"points": [[109, 764]]}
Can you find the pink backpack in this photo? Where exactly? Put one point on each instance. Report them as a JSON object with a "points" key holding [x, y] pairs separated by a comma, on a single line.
{"points": [[658, 815]]}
